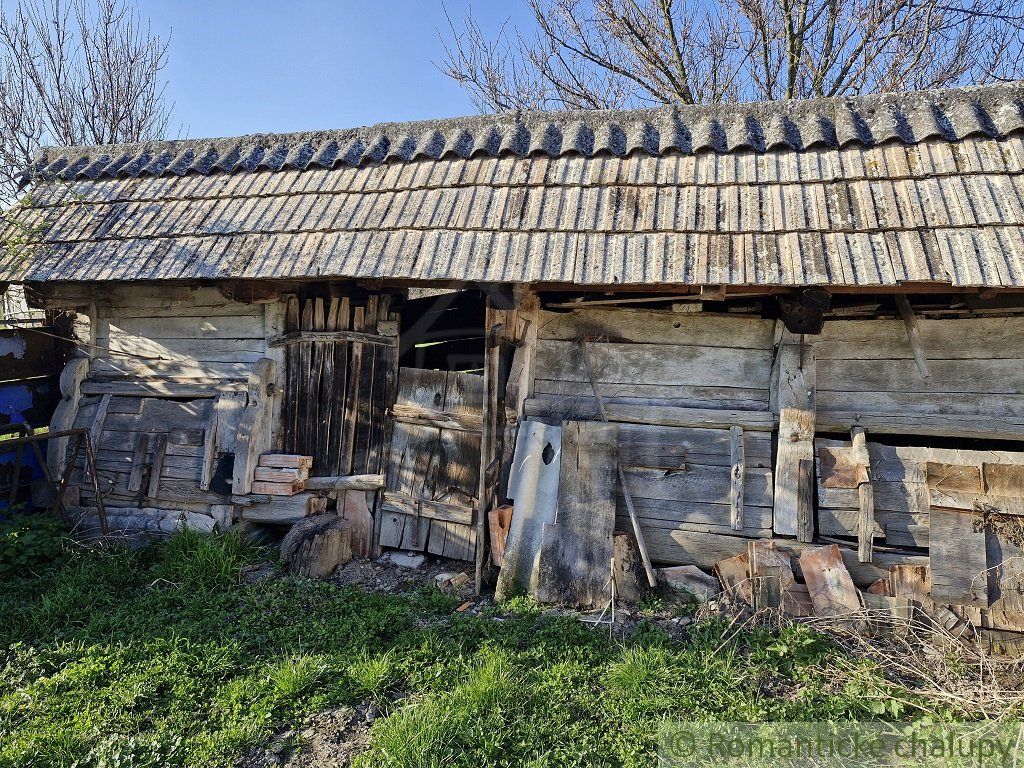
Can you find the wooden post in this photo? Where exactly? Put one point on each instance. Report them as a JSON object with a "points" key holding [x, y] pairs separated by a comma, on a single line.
{"points": [[737, 477], [641, 545], [71, 379], [866, 496], [913, 333], [794, 398], [492, 359], [805, 501]]}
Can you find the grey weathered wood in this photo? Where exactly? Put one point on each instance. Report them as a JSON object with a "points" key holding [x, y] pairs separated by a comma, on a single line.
{"points": [[737, 474], [648, 326], [794, 399], [913, 333], [346, 483], [158, 446], [957, 555], [71, 379], [805, 501], [488, 436], [253, 432], [328, 336], [653, 415], [623, 481], [138, 462], [576, 552], [210, 449], [655, 364], [865, 495], [96, 426]]}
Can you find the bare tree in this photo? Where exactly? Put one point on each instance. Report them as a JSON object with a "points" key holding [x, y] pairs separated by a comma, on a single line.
{"points": [[598, 54], [76, 72]]}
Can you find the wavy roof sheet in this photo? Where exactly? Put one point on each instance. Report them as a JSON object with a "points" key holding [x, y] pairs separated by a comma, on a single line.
{"points": [[867, 191]]}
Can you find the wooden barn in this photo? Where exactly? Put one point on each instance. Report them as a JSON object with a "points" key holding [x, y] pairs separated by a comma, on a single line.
{"points": [[802, 321]]}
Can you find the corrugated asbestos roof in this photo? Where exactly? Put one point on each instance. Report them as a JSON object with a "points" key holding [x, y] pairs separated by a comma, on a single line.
{"points": [[869, 191]]}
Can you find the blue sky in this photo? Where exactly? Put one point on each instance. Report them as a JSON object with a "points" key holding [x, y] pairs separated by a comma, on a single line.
{"points": [[249, 66]]}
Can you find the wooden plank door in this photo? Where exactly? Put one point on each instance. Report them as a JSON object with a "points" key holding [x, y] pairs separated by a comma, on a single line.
{"points": [[341, 369], [431, 482]]}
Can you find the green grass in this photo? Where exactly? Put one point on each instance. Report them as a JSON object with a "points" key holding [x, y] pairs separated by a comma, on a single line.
{"points": [[163, 657]]}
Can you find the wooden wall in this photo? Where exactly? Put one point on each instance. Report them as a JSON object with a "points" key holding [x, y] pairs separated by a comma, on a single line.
{"points": [[677, 381], [168, 376], [866, 374]]}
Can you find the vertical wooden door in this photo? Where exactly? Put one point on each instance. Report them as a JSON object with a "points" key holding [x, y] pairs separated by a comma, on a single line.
{"points": [[341, 368]]}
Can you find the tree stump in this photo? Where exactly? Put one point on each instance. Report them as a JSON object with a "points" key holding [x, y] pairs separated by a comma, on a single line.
{"points": [[316, 545]]}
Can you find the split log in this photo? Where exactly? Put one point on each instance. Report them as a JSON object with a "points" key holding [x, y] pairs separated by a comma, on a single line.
{"points": [[317, 545]]}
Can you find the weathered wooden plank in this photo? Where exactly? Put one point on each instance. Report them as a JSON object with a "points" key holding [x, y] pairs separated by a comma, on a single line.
{"points": [[71, 379], [231, 327], [138, 463], [346, 483], [992, 376], [913, 333], [189, 352], [162, 415], [952, 339], [158, 446], [956, 478], [656, 327], [652, 415], [957, 555], [922, 425], [323, 336], [672, 447], [795, 401], [865, 495], [675, 395], [251, 438], [108, 367], [924, 404], [655, 364], [737, 477], [1003, 479], [829, 583], [701, 484], [576, 552]]}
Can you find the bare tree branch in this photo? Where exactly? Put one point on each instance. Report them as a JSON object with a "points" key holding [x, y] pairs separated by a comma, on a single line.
{"points": [[632, 53], [76, 72]]}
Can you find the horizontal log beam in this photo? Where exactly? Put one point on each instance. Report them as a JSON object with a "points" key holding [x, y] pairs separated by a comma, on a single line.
{"points": [[345, 483], [327, 336]]}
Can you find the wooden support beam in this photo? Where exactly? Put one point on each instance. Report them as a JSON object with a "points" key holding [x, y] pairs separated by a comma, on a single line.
{"points": [[794, 397], [138, 462], [913, 333], [492, 359], [323, 336], [346, 483], [253, 427], [737, 477], [640, 543], [866, 496], [158, 445], [805, 501], [71, 379]]}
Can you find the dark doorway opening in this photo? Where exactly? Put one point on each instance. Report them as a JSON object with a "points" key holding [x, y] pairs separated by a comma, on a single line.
{"points": [[444, 332]]}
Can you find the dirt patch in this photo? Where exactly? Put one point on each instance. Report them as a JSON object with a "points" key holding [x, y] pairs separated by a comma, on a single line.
{"points": [[384, 576], [328, 739]]}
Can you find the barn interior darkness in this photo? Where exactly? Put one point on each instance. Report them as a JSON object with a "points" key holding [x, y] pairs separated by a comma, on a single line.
{"points": [[444, 332]]}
